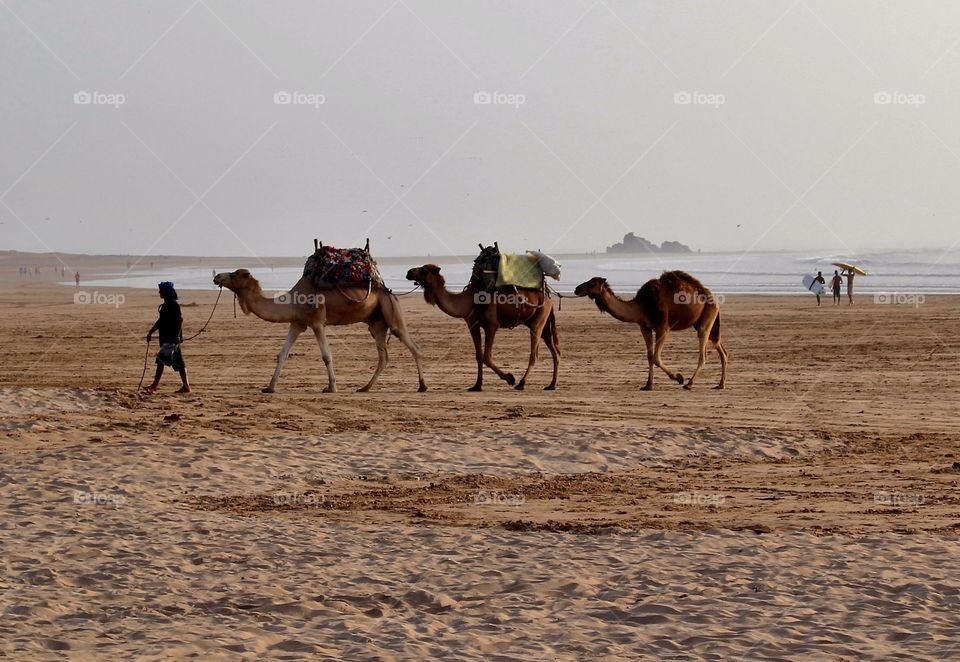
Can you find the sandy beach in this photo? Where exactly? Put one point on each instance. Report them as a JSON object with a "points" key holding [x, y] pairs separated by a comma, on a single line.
{"points": [[808, 511]]}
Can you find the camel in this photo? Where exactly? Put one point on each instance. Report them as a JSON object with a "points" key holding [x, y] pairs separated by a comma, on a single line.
{"points": [[673, 302], [489, 311], [306, 306]]}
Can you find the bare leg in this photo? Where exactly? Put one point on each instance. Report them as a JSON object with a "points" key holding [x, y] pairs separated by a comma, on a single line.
{"points": [[475, 335], [156, 380], [658, 357], [379, 332], [186, 383], [651, 357], [292, 336], [321, 335]]}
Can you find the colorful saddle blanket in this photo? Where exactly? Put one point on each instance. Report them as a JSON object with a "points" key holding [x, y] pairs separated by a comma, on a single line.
{"points": [[330, 266]]}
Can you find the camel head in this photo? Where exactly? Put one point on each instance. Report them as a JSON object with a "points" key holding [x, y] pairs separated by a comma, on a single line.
{"points": [[593, 288], [239, 281], [428, 276]]}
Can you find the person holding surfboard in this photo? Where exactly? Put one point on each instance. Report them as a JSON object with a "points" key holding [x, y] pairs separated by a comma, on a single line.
{"points": [[835, 285], [849, 271], [819, 290], [849, 274]]}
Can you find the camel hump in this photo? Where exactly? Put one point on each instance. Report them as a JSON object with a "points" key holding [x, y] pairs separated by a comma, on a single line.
{"points": [[675, 280], [650, 299]]}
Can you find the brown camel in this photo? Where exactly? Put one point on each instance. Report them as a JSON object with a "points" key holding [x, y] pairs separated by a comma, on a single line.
{"points": [[673, 302], [306, 306], [489, 311]]}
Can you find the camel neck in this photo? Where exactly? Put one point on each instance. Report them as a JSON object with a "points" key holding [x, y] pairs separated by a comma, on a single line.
{"points": [[455, 305], [625, 311], [264, 308]]}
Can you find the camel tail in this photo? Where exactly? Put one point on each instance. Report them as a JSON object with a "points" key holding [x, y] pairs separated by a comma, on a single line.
{"points": [[551, 328], [715, 331]]}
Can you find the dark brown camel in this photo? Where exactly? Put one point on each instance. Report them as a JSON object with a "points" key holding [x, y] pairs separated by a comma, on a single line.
{"points": [[673, 302], [489, 311]]}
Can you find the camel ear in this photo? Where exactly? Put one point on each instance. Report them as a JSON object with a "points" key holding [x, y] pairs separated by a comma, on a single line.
{"points": [[435, 270]]}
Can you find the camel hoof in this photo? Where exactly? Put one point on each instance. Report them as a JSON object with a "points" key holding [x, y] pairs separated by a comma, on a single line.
{"points": [[550, 387], [688, 387], [267, 389], [509, 379], [423, 388], [679, 378], [519, 385], [330, 389], [363, 389], [647, 387], [476, 388], [718, 387]]}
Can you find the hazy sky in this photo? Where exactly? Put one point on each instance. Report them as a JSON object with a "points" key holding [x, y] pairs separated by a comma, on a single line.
{"points": [[742, 125]]}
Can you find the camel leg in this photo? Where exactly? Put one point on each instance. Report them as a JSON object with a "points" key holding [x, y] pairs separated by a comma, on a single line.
{"points": [[703, 335], [535, 332], [658, 357], [415, 352], [651, 357], [554, 352], [723, 364], [488, 356], [475, 335], [379, 332], [321, 335], [292, 335]]}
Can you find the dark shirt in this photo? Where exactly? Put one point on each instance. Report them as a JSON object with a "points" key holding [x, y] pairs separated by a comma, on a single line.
{"points": [[170, 322]]}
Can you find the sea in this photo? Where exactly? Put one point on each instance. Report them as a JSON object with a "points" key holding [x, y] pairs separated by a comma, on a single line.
{"points": [[773, 273]]}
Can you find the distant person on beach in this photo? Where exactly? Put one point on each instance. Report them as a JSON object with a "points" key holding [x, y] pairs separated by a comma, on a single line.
{"points": [[170, 326], [849, 273], [835, 285], [819, 279], [76, 278]]}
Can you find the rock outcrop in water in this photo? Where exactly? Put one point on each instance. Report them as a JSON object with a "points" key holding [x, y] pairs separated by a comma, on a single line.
{"points": [[633, 244]]}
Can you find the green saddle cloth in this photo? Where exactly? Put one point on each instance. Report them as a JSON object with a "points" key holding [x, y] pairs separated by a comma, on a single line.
{"points": [[519, 271]]}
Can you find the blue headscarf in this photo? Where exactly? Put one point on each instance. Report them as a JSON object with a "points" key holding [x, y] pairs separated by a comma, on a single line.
{"points": [[167, 291]]}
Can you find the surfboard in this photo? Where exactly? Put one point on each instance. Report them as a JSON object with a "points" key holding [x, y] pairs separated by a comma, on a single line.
{"points": [[850, 267], [811, 283]]}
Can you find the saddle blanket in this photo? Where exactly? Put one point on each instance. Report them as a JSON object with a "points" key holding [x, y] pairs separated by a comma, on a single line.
{"points": [[519, 271], [330, 266]]}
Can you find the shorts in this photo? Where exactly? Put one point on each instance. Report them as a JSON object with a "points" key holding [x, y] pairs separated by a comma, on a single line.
{"points": [[170, 356]]}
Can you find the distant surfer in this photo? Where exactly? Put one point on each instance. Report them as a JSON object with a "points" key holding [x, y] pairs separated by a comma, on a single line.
{"points": [[170, 326], [849, 274], [823, 283], [835, 284]]}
